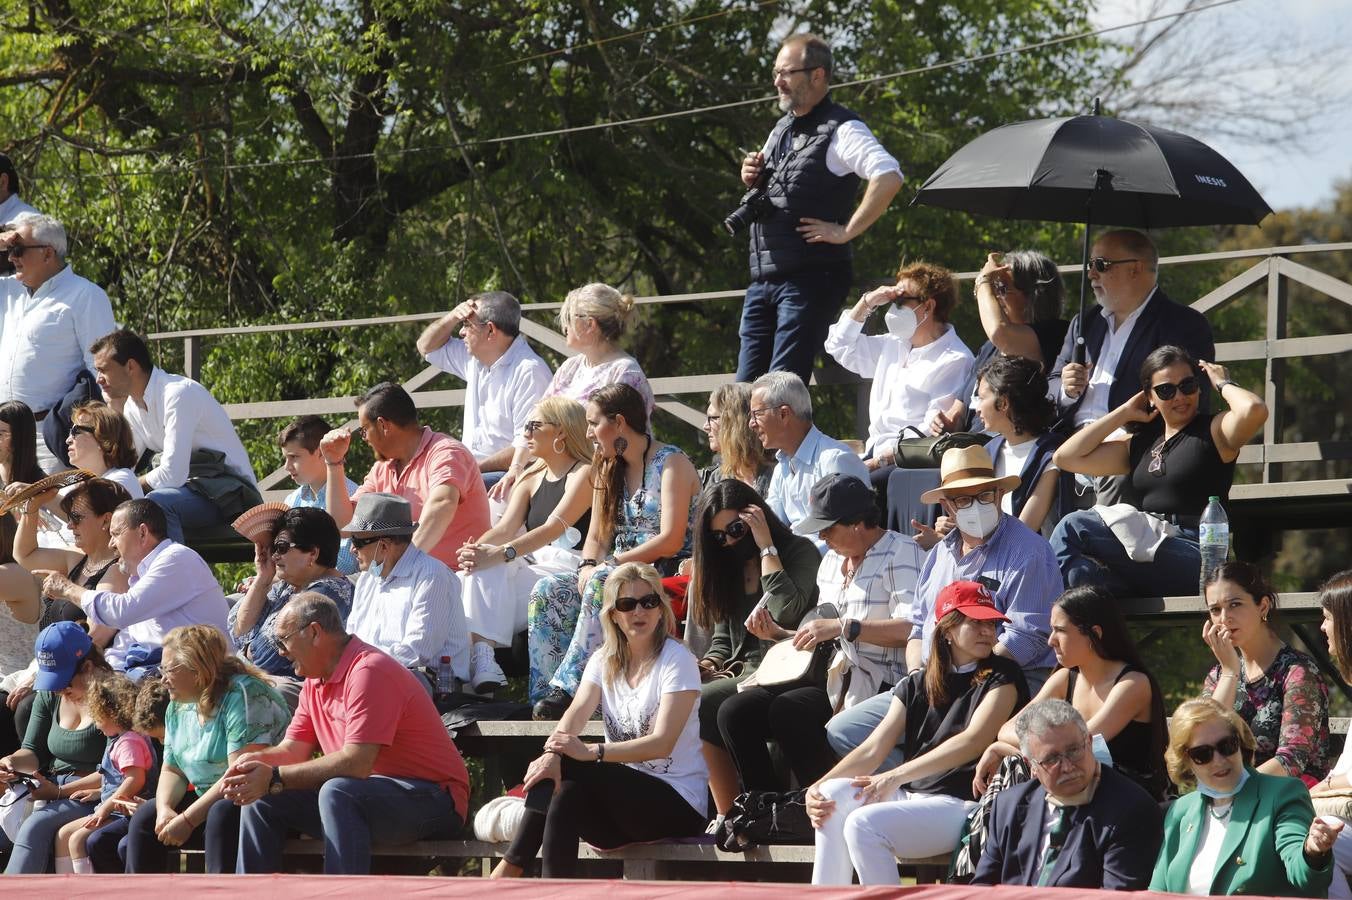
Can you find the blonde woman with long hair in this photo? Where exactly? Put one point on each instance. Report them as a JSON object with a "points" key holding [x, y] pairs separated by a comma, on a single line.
{"points": [[647, 780], [593, 318], [548, 513], [738, 452], [221, 708]]}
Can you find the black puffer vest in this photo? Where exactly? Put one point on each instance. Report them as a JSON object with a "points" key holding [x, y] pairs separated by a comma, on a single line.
{"points": [[802, 185]]}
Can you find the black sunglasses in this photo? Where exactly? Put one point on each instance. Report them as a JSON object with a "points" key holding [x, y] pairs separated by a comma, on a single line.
{"points": [[77, 430], [1101, 265], [533, 426], [364, 541], [1166, 391], [648, 601], [1204, 753], [735, 531], [281, 546]]}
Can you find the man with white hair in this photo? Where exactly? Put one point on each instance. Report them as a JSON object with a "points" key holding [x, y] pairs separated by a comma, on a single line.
{"points": [[1079, 824], [49, 316], [504, 378], [781, 416]]}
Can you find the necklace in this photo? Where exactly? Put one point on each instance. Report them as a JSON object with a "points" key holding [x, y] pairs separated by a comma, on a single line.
{"points": [[1158, 452], [1221, 813]]}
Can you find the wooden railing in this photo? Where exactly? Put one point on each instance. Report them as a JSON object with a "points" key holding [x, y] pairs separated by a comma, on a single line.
{"points": [[1272, 265]]}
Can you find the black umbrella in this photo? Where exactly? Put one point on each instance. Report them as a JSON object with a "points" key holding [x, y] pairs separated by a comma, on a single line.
{"points": [[1094, 169]]}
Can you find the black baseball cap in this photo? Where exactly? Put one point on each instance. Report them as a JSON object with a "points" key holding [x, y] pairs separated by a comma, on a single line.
{"points": [[836, 498]]}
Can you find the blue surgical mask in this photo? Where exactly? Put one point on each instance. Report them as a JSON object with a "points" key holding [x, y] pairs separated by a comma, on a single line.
{"points": [[1207, 791], [1099, 747]]}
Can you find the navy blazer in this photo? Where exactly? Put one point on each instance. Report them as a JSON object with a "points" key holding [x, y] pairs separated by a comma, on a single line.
{"points": [[1161, 322], [1112, 843]]}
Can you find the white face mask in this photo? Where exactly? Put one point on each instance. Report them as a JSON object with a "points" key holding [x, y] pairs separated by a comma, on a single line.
{"points": [[901, 321], [978, 520]]}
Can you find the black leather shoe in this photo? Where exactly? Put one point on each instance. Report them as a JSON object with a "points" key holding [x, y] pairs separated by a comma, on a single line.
{"points": [[552, 706]]}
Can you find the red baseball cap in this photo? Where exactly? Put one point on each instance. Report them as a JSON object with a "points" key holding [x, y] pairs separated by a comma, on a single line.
{"points": [[970, 598]]}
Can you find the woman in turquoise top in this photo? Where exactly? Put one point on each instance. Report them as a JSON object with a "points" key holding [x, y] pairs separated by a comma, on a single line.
{"points": [[643, 504], [222, 707], [1240, 832]]}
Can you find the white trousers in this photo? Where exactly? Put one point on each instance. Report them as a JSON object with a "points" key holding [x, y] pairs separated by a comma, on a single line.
{"points": [[868, 839], [1339, 889], [496, 599]]}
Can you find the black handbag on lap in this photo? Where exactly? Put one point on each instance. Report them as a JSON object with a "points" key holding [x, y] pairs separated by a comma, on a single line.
{"points": [[926, 452], [766, 817]]}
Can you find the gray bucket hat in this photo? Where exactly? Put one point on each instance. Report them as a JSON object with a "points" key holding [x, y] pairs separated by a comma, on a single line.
{"points": [[380, 515]]}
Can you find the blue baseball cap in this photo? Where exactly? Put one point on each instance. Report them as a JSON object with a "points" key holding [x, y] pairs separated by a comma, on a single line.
{"points": [[60, 649]]}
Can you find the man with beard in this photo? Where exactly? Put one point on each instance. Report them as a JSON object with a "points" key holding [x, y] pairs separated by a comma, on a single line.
{"points": [[434, 472], [809, 170]]}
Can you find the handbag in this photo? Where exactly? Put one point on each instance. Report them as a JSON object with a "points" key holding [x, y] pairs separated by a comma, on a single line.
{"points": [[765, 817], [927, 451], [16, 805], [784, 664]]}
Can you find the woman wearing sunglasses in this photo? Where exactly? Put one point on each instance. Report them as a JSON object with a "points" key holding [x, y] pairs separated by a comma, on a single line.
{"points": [[100, 441], [1273, 687], [1240, 831], [551, 503], [647, 780], [300, 555], [1175, 458], [752, 577], [941, 718]]}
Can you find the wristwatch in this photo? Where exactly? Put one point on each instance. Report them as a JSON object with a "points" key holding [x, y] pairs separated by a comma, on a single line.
{"points": [[771, 550], [1222, 385], [851, 629], [275, 785], [508, 553]]}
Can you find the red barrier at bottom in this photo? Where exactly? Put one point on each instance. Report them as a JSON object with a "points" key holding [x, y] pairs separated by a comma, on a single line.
{"points": [[300, 887]]}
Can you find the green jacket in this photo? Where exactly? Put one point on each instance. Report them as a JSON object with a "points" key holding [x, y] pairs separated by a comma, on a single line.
{"points": [[790, 594], [1263, 852]]}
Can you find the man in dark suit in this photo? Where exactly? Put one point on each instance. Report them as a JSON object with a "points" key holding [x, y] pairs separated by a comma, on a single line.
{"points": [[1133, 319], [1080, 824]]}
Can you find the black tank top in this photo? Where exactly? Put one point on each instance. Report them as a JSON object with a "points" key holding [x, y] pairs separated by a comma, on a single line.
{"points": [[546, 499], [63, 610], [1190, 469], [1138, 751]]}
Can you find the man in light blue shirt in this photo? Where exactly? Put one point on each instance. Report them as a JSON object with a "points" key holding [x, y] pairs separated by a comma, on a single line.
{"points": [[300, 457], [992, 548], [781, 416]]}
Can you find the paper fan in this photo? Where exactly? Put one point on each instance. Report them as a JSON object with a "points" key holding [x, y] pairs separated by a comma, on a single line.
{"points": [[59, 480], [256, 522]]}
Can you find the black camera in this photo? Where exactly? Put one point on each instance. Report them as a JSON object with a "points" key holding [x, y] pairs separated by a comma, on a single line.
{"points": [[755, 204]]}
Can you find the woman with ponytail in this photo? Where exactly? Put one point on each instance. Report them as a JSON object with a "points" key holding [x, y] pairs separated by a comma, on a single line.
{"points": [[643, 501]]}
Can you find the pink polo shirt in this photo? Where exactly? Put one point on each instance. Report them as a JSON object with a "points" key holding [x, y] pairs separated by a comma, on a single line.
{"points": [[439, 459], [371, 699]]}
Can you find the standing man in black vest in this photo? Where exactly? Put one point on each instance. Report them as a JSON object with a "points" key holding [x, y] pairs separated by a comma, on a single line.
{"points": [[809, 170]]}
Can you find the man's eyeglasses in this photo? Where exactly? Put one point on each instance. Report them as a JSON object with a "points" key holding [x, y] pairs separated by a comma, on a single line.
{"points": [[1100, 265], [1188, 386], [785, 73], [281, 640], [735, 531], [628, 604], [77, 430], [986, 498], [761, 412], [1072, 755], [1204, 753], [364, 541], [16, 250]]}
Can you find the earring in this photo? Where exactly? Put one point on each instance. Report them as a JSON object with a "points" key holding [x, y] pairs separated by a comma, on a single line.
{"points": [[557, 441]]}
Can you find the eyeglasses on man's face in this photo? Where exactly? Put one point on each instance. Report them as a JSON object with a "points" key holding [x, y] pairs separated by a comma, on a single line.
{"points": [[1101, 265], [985, 498], [1071, 755]]}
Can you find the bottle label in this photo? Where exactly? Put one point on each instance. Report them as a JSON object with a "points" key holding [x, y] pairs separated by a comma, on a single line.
{"points": [[1213, 533]]}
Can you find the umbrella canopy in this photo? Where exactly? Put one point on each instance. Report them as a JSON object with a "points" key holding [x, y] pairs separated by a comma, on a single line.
{"points": [[1138, 175]]}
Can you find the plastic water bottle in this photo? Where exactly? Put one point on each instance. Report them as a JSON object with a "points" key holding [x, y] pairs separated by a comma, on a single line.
{"points": [[1214, 538], [445, 680]]}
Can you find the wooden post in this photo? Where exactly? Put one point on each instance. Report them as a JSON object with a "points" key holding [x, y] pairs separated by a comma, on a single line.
{"points": [[1275, 371], [192, 358]]}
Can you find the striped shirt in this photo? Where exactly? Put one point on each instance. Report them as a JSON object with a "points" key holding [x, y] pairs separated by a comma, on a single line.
{"points": [[883, 587], [1019, 567], [413, 613]]}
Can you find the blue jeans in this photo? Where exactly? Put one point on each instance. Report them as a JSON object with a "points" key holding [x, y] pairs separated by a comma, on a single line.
{"points": [[32, 849], [1089, 553], [143, 852], [345, 813], [185, 508], [785, 320]]}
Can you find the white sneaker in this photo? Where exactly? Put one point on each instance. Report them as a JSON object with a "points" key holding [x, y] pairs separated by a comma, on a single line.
{"points": [[485, 675]]}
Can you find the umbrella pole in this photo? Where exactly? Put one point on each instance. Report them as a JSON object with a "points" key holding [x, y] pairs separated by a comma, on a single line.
{"points": [[1101, 181]]}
